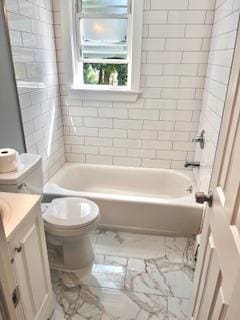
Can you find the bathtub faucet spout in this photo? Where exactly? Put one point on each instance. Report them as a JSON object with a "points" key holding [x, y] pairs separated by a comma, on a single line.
{"points": [[191, 164]]}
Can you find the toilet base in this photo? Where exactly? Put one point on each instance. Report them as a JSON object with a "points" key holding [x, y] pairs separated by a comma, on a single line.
{"points": [[71, 254], [81, 273]]}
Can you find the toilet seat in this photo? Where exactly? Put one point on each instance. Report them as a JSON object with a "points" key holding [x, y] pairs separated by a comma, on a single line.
{"points": [[71, 213]]}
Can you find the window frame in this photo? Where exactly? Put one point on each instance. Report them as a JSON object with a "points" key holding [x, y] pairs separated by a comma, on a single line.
{"points": [[73, 68]]}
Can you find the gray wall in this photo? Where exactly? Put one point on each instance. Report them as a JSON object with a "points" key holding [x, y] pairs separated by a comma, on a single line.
{"points": [[11, 134]]}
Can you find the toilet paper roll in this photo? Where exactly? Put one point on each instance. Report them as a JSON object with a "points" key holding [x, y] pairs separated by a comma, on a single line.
{"points": [[8, 160]]}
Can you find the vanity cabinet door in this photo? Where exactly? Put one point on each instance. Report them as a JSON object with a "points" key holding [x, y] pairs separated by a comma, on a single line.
{"points": [[32, 271]]}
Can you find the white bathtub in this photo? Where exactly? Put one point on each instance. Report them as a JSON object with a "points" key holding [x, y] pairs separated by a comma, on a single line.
{"points": [[148, 200]]}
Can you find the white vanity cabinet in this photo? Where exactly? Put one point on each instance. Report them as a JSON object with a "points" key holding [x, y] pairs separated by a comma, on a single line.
{"points": [[30, 262]]}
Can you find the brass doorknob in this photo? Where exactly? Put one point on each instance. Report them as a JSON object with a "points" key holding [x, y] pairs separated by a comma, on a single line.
{"points": [[201, 197]]}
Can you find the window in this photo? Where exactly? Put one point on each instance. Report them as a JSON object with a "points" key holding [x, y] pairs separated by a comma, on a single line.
{"points": [[106, 45]]}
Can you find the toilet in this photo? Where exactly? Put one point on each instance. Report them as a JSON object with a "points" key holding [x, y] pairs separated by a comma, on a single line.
{"points": [[68, 221]]}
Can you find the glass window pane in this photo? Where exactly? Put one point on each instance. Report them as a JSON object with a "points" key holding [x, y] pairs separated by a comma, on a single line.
{"points": [[105, 6], [104, 52], [105, 74], [104, 38], [104, 30]]}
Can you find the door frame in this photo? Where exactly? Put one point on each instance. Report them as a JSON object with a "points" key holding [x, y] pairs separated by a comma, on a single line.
{"points": [[228, 112], [229, 118]]}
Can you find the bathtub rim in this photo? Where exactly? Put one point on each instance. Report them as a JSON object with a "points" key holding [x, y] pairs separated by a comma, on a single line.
{"points": [[55, 190], [52, 187]]}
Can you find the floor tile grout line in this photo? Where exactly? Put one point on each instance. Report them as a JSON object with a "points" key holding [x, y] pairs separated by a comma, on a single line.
{"points": [[124, 289], [165, 258], [136, 291], [165, 246], [125, 276]]}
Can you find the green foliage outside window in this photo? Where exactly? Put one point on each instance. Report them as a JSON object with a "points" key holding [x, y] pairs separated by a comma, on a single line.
{"points": [[105, 74]]}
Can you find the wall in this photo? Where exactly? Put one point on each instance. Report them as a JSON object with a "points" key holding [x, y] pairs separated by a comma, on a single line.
{"points": [[11, 134], [34, 56], [219, 66], [156, 131]]}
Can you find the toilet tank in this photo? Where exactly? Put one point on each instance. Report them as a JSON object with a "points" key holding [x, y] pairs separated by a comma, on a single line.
{"points": [[27, 179]]}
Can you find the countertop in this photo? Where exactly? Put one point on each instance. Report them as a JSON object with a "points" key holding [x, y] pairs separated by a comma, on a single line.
{"points": [[14, 207]]}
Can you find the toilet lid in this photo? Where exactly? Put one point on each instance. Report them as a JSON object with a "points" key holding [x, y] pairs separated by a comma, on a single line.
{"points": [[71, 212]]}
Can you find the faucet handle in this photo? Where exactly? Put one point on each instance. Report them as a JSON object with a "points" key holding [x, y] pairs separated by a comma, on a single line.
{"points": [[201, 139]]}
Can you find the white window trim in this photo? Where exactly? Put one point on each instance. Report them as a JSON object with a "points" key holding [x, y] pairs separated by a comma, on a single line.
{"points": [[92, 92]]}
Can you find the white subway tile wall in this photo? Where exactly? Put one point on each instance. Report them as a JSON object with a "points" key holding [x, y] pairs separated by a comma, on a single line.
{"points": [[34, 55], [155, 131], [181, 82], [218, 72]]}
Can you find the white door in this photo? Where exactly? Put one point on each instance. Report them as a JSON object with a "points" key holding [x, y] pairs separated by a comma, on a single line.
{"points": [[216, 289]]}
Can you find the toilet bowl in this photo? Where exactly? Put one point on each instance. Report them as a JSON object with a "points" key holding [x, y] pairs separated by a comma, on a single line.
{"points": [[68, 223]]}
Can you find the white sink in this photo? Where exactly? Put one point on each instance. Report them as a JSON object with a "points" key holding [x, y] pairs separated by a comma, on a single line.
{"points": [[14, 207], [5, 211]]}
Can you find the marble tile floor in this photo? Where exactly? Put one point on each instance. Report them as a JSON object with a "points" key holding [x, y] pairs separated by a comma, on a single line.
{"points": [[134, 276]]}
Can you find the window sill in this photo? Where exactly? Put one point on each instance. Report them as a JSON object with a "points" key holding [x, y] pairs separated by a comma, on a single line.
{"points": [[106, 94]]}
